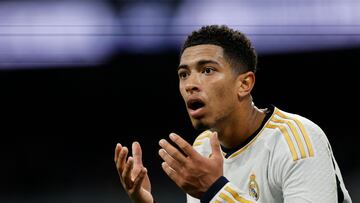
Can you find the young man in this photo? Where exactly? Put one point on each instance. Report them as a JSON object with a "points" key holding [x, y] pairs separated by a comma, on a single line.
{"points": [[245, 154]]}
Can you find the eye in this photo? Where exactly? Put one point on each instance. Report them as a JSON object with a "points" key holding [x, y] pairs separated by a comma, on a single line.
{"points": [[208, 70], [183, 74]]}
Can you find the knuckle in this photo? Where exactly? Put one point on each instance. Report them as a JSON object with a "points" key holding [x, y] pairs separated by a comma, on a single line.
{"points": [[169, 171], [169, 162], [171, 154], [164, 154], [184, 145], [187, 147]]}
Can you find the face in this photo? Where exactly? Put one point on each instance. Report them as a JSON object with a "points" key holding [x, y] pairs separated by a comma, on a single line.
{"points": [[207, 85]]}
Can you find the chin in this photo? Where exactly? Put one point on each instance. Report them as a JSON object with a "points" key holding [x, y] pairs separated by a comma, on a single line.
{"points": [[200, 125]]}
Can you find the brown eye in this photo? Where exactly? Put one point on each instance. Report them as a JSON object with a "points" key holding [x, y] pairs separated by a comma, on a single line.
{"points": [[183, 74], [208, 70]]}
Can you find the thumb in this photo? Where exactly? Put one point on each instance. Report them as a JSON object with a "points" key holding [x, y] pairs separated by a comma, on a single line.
{"points": [[215, 145]]}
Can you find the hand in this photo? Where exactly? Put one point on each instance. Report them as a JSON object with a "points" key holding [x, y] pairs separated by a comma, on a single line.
{"points": [[191, 172], [132, 173]]}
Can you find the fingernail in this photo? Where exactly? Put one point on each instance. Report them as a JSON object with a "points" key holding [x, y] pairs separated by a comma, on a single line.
{"points": [[172, 136], [161, 142], [161, 151]]}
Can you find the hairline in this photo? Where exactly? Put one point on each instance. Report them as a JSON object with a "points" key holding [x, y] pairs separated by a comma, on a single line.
{"points": [[229, 59]]}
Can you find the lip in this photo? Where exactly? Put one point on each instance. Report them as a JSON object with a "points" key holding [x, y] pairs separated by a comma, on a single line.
{"points": [[199, 112]]}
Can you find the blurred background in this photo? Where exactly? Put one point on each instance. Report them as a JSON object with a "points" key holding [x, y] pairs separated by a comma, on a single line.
{"points": [[77, 77]]}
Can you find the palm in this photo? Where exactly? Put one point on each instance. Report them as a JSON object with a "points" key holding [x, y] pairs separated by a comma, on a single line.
{"points": [[133, 175], [144, 194], [146, 185]]}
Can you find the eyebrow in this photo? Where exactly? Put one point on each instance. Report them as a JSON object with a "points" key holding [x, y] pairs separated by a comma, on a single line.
{"points": [[199, 63]]}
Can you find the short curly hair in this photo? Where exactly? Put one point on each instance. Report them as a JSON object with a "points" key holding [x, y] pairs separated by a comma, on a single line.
{"points": [[237, 47]]}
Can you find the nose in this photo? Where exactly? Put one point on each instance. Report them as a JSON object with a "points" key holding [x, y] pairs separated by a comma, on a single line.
{"points": [[192, 84]]}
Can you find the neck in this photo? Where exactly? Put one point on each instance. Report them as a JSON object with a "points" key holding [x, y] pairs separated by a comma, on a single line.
{"points": [[240, 125]]}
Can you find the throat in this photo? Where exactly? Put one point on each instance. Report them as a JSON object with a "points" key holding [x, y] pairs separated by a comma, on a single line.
{"points": [[237, 134]]}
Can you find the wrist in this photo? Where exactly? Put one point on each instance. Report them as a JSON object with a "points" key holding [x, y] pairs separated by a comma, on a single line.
{"points": [[214, 189]]}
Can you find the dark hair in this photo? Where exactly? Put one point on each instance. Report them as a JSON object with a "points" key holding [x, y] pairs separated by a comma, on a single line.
{"points": [[237, 47]]}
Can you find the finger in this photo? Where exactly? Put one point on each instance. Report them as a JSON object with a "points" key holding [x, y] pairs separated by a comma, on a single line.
{"points": [[137, 154], [184, 146], [172, 151], [171, 173], [215, 145], [126, 175], [120, 164], [169, 160], [117, 151], [139, 179]]}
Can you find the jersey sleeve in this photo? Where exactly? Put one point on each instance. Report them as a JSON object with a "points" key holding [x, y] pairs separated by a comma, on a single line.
{"points": [[305, 179]]}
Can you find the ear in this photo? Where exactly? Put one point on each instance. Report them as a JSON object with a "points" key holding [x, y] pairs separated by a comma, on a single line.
{"points": [[246, 83]]}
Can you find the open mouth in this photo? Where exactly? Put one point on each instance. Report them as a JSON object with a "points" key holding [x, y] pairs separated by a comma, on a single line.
{"points": [[195, 104]]}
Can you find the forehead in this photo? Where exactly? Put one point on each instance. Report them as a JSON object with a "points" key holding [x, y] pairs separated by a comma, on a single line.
{"points": [[193, 54]]}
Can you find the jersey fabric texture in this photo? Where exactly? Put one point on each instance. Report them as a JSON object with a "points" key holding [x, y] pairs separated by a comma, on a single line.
{"points": [[288, 159]]}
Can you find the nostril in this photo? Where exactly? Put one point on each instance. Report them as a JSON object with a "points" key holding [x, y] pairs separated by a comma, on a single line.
{"points": [[192, 88]]}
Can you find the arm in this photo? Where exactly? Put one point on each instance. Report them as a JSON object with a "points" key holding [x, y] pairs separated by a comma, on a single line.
{"points": [[200, 177], [132, 173]]}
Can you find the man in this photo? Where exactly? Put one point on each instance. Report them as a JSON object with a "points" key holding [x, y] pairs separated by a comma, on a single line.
{"points": [[245, 154]]}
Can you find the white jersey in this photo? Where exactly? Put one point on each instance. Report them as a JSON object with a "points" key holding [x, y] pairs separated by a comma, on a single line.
{"points": [[289, 160]]}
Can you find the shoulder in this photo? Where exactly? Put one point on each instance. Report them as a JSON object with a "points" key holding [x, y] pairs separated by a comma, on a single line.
{"points": [[300, 144], [303, 123], [301, 158], [300, 136], [202, 137]]}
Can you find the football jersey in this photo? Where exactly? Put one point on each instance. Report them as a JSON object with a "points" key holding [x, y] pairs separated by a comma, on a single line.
{"points": [[288, 159]]}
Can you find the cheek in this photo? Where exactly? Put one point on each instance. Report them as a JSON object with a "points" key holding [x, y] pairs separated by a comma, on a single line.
{"points": [[226, 96], [222, 90], [181, 90]]}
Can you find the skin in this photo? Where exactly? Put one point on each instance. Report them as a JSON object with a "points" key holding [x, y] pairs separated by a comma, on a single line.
{"points": [[132, 173], [205, 74], [228, 105]]}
